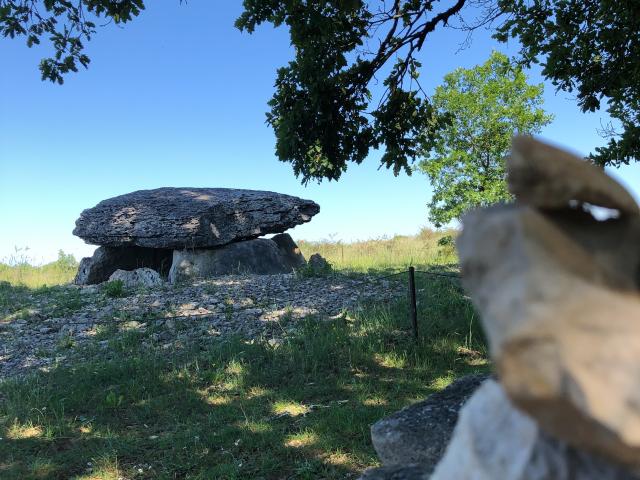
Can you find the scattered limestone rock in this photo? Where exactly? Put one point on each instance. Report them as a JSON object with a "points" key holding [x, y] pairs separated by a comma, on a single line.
{"points": [[420, 433], [140, 277], [255, 307]]}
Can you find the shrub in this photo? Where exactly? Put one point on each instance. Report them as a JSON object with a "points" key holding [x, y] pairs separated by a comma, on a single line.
{"points": [[114, 289]]}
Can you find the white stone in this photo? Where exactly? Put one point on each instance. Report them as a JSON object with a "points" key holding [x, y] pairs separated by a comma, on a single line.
{"points": [[140, 277], [495, 441]]}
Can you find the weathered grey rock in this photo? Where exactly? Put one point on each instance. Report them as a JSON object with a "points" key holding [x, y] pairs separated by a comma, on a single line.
{"points": [[547, 177], [140, 277], [493, 440], [420, 433], [260, 256], [559, 298], [106, 260], [290, 250], [318, 264], [178, 218]]}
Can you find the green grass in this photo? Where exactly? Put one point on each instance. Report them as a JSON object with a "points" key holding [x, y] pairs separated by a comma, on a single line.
{"points": [[232, 409], [16, 301], [227, 408]]}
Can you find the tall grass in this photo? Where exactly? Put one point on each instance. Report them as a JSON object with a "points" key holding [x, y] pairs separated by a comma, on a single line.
{"points": [[18, 269], [396, 252]]}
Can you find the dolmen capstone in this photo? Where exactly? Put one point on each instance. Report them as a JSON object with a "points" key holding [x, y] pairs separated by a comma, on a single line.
{"points": [[555, 276], [192, 232]]}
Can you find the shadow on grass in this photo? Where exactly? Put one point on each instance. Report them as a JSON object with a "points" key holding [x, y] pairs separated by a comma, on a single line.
{"points": [[233, 409]]}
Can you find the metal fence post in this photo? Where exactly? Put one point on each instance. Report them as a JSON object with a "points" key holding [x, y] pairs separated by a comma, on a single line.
{"points": [[413, 309]]}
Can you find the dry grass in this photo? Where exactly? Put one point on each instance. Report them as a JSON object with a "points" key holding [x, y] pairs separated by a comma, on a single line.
{"points": [[396, 252], [19, 269]]}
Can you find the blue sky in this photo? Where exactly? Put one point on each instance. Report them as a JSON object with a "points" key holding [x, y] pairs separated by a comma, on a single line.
{"points": [[177, 98]]}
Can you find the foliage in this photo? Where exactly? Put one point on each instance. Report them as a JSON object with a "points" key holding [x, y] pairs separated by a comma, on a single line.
{"points": [[114, 289], [447, 241], [485, 106], [65, 24], [591, 47], [324, 116], [66, 261], [322, 112]]}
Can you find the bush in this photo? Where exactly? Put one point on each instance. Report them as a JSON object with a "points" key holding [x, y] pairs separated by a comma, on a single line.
{"points": [[317, 266], [114, 289], [447, 241]]}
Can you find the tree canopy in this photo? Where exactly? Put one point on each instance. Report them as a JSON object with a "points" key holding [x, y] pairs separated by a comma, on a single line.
{"points": [[591, 47], [67, 25], [484, 107], [322, 111]]}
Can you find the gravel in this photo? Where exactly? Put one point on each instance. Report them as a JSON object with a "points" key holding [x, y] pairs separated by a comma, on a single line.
{"points": [[38, 336]]}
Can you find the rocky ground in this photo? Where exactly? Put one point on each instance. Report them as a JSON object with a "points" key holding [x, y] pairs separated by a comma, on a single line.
{"points": [[39, 329]]}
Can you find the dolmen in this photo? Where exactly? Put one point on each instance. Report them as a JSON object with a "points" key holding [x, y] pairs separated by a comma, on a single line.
{"points": [[185, 233]]}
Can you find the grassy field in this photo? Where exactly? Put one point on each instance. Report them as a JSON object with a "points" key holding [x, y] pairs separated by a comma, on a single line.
{"points": [[393, 253], [233, 409], [18, 269]]}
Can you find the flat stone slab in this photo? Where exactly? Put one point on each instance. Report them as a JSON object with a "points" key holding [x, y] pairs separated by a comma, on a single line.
{"points": [[177, 218], [419, 433]]}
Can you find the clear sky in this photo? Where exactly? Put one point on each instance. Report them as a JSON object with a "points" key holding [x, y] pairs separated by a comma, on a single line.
{"points": [[177, 98]]}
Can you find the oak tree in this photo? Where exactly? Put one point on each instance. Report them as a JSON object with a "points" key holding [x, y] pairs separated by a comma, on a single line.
{"points": [[323, 112], [484, 108]]}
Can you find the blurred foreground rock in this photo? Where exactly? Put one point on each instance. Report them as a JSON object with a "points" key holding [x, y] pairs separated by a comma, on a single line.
{"points": [[557, 284], [493, 440]]}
